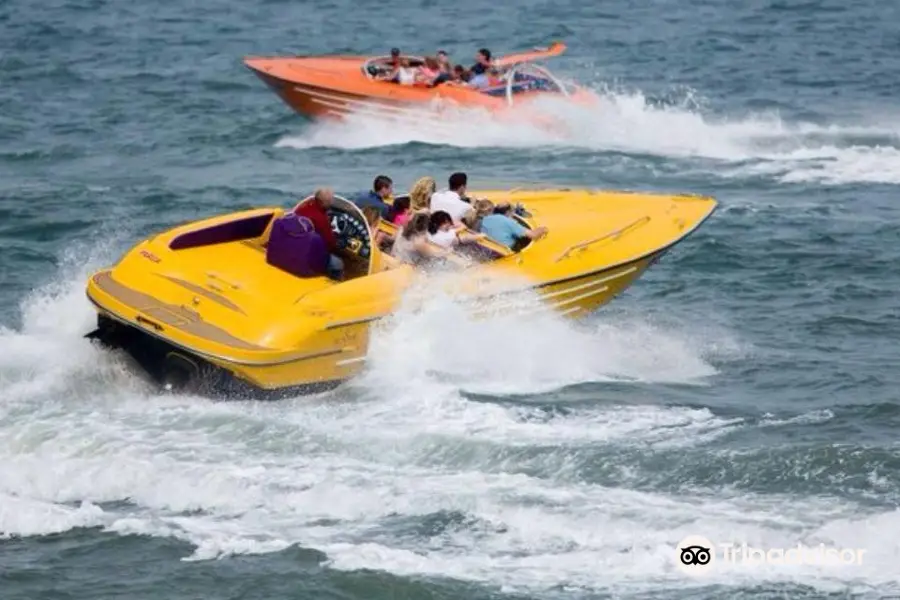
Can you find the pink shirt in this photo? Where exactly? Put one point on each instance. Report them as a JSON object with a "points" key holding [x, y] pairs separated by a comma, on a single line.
{"points": [[401, 219]]}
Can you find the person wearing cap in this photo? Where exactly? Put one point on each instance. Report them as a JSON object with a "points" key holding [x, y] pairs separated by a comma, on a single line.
{"points": [[501, 227]]}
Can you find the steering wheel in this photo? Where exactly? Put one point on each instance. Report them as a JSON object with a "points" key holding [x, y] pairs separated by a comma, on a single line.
{"points": [[351, 234]]}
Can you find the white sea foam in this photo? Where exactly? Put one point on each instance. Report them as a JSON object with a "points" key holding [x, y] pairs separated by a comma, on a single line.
{"points": [[353, 473], [746, 145]]}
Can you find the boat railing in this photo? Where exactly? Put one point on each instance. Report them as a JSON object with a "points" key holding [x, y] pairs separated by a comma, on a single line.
{"points": [[541, 72], [615, 234]]}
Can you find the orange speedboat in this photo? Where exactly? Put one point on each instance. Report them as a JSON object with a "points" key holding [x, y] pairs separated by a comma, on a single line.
{"points": [[337, 86]]}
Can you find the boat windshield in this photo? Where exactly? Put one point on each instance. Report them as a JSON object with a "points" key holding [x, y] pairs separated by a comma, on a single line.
{"points": [[526, 78]]}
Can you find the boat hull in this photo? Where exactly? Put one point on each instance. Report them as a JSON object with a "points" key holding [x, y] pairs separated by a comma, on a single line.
{"points": [[175, 367], [336, 90], [329, 358], [316, 102]]}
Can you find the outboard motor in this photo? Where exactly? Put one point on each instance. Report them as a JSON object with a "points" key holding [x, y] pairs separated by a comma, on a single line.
{"points": [[295, 247]]}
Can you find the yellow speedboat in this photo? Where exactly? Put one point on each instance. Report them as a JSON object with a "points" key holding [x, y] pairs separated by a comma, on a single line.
{"points": [[201, 309]]}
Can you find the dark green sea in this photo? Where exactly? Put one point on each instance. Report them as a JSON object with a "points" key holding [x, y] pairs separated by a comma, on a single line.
{"points": [[744, 390]]}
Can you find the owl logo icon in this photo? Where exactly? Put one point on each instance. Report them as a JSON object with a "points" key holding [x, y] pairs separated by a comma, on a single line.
{"points": [[695, 555]]}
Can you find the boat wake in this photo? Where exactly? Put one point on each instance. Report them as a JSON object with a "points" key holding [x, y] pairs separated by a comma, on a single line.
{"points": [[632, 125], [428, 464]]}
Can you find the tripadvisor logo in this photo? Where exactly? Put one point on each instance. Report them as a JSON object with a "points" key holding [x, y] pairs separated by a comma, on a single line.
{"points": [[696, 555]]}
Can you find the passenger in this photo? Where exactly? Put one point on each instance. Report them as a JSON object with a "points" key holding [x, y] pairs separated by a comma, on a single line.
{"points": [[400, 72], [444, 62], [382, 187], [445, 69], [403, 73], [393, 64], [399, 213], [488, 79], [315, 211], [479, 81], [441, 78], [460, 74], [427, 73], [420, 194], [412, 244], [451, 200], [442, 232], [373, 218], [483, 208], [500, 226], [482, 62]]}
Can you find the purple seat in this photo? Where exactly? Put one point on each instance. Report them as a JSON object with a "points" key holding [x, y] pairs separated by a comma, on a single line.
{"points": [[295, 247]]}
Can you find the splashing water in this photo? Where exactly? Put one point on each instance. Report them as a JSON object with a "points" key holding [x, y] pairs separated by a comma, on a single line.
{"points": [[514, 346], [366, 472], [760, 144]]}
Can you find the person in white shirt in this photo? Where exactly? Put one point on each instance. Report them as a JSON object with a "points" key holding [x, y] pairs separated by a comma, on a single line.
{"points": [[443, 233], [451, 200], [406, 75], [400, 71]]}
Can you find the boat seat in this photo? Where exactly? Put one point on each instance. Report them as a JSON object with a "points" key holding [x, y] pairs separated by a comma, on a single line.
{"points": [[260, 242], [264, 238], [295, 247], [244, 229]]}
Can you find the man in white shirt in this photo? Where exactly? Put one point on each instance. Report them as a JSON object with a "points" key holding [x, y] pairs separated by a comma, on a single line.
{"points": [[451, 201]]}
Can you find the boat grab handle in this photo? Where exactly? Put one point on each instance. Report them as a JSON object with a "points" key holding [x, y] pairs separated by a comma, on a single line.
{"points": [[147, 321], [612, 234], [213, 275]]}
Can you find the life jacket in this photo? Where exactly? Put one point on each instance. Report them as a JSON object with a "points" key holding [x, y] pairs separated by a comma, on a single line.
{"points": [[295, 247]]}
